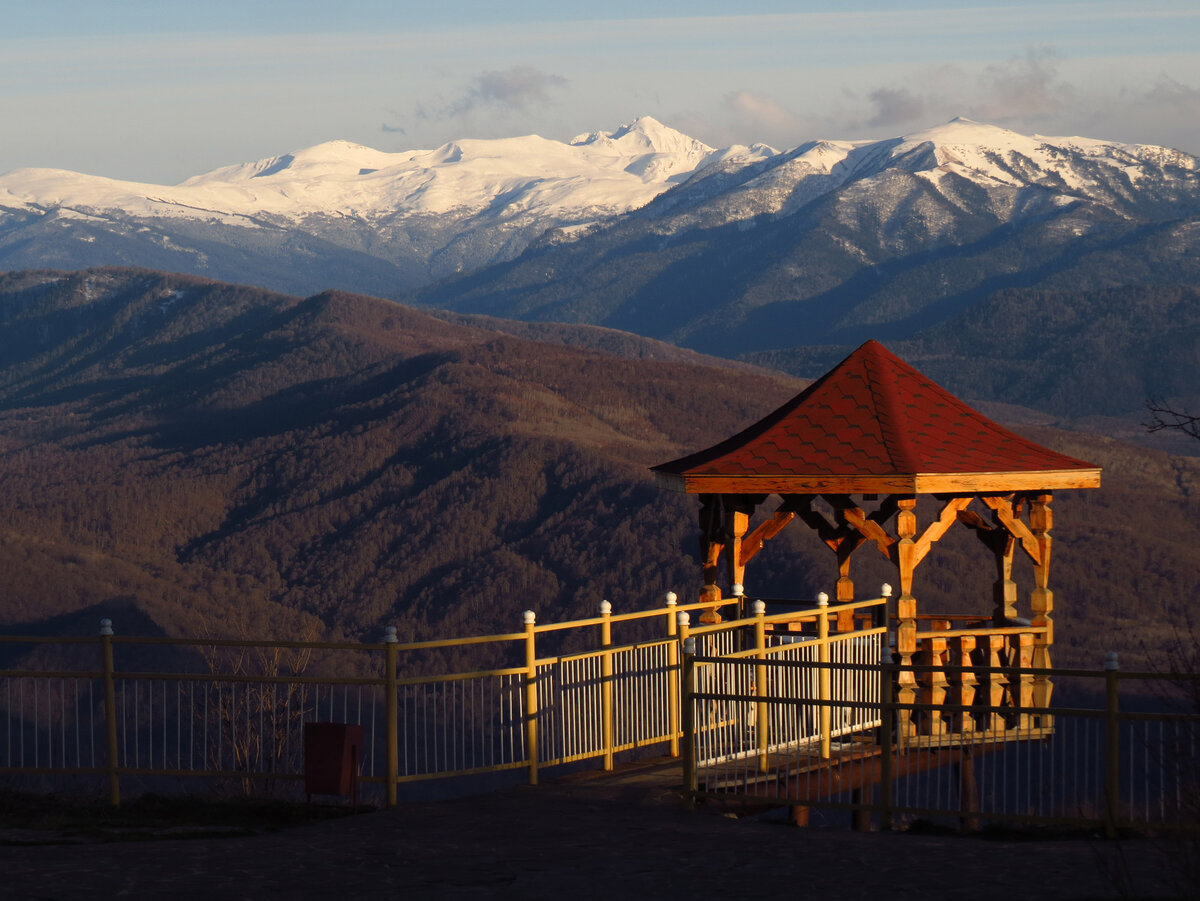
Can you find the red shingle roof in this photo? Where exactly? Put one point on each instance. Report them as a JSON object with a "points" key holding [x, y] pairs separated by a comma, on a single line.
{"points": [[875, 424]]}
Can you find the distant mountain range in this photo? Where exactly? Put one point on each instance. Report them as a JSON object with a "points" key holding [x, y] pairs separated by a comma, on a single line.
{"points": [[192, 457], [1057, 273], [340, 215]]}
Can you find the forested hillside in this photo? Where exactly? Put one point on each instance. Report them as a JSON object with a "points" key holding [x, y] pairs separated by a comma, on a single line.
{"points": [[189, 456]]}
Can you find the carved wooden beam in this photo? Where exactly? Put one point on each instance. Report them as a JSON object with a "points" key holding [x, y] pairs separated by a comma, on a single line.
{"points": [[826, 531], [939, 527], [1004, 512], [764, 532], [869, 527]]}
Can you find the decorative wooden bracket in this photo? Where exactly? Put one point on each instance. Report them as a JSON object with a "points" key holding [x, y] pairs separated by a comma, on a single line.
{"points": [[764, 532], [1003, 506]]}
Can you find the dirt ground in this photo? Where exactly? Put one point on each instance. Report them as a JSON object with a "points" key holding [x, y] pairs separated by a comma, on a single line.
{"points": [[587, 836]]}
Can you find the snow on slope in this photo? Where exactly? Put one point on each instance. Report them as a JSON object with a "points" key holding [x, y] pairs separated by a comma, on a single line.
{"points": [[987, 153], [602, 172], [518, 187]]}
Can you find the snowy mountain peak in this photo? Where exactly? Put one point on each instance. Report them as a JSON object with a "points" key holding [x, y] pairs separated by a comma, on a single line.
{"points": [[646, 135]]}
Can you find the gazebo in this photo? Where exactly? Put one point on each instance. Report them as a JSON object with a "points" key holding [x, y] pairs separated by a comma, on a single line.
{"points": [[867, 439]]}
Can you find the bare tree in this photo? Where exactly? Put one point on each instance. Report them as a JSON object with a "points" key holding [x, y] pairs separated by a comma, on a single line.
{"points": [[1164, 418]]}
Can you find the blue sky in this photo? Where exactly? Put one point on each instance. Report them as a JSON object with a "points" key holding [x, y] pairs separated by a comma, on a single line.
{"points": [[158, 91]]}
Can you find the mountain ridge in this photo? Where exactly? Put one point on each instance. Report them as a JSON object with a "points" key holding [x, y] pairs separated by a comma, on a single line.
{"points": [[200, 458]]}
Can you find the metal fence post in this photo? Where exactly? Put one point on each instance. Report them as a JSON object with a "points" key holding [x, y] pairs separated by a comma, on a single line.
{"points": [[606, 685], [762, 723], [672, 675], [687, 678], [1112, 743], [393, 719], [887, 725], [110, 711], [823, 672], [531, 704]]}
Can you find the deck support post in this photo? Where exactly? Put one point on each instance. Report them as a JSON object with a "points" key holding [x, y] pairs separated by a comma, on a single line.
{"points": [[968, 792], [393, 720], [687, 675], [906, 612], [1041, 602], [531, 704], [110, 712]]}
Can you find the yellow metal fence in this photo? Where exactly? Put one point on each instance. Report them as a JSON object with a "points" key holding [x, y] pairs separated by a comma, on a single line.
{"points": [[169, 708], [1118, 753]]}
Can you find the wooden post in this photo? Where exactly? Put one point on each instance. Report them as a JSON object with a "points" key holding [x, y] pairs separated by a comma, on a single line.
{"points": [[606, 685], [824, 674], [845, 585], [393, 719], [110, 711], [672, 677], [1041, 602], [712, 543], [762, 723], [906, 614], [1004, 591], [739, 522], [531, 702], [1112, 744]]}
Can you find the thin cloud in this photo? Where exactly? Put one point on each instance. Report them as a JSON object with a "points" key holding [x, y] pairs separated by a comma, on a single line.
{"points": [[1026, 86], [895, 106], [517, 89], [758, 110]]}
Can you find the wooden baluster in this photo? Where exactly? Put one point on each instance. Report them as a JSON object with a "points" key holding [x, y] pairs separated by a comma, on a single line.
{"points": [[1022, 685], [993, 653], [965, 685], [934, 683], [1041, 602]]}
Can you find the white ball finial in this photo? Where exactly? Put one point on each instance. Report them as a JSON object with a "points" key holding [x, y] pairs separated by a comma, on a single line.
{"points": [[822, 600], [683, 618], [689, 645], [106, 627], [529, 618], [672, 597], [737, 590], [886, 590], [389, 635], [605, 608], [759, 608]]}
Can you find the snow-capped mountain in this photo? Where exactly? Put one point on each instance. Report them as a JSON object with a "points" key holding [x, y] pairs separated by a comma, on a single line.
{"points": [[419, 214], [742, 250], [836, 241]]}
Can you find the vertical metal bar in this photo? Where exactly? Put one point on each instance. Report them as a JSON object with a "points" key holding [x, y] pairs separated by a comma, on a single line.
{"points": [[392, 719], [687, 688], [606, 684], [1112, 753], [887, 719], [110, 711], [823, 660], [761, 724], [531, 702]]}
